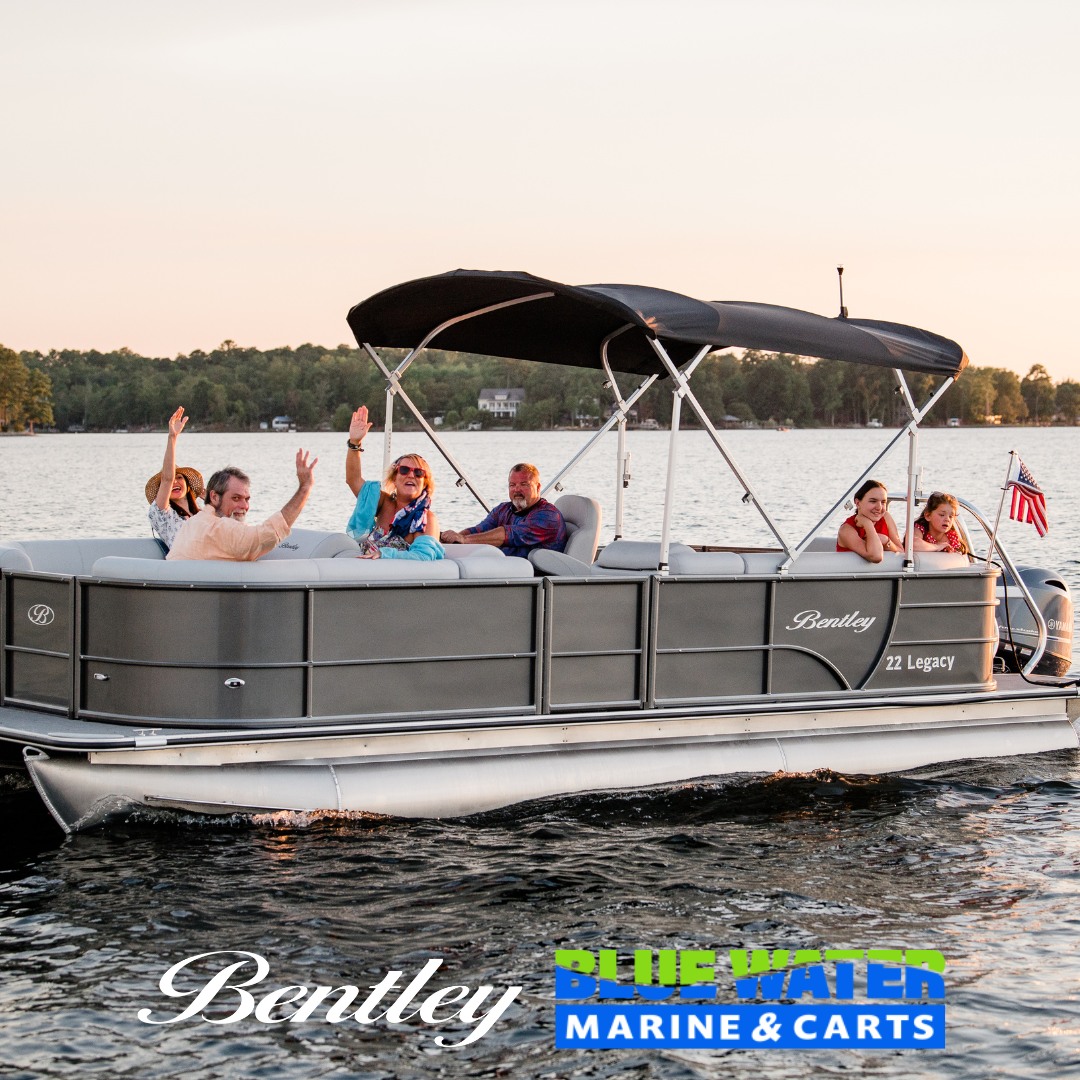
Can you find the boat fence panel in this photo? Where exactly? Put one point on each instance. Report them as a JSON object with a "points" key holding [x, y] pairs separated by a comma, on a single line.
{"points": [[945, 634], [264, 653], [709, 639], [191, 654], [830, 632], [223, 694], [595, 642], [194, 626], [39, 619], [797, 637], [269, 653], [437, 649]]}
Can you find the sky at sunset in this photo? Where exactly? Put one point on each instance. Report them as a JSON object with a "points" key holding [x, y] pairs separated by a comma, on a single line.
{"points": [[179, 174]]}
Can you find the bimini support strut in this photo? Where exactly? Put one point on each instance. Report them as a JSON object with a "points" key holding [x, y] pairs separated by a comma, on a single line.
{"points": [[622, 410], [394, 389], [618, 416], [682, 390]]}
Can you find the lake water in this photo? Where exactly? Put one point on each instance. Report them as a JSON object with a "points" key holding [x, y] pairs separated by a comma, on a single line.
{"points": [[980, 861]]}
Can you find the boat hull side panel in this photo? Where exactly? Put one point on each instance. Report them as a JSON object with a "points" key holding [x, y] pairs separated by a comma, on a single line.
{"points": [[226, 693], [710, 639], [846, 621], [443, 686], [205, 626], [596, 634], [39, 615], [420, 622], [945, 634], [456, 650]]}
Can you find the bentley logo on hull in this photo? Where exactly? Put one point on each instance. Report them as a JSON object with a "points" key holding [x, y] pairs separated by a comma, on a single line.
{"points": [[814, 620], [41, 614]]}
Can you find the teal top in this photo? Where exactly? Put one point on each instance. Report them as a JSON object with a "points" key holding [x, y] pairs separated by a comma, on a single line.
{"points": [[362, 522]]}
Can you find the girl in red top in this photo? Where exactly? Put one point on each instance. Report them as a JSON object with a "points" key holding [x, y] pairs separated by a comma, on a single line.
{"points": [[935, 529], [870, 531]]}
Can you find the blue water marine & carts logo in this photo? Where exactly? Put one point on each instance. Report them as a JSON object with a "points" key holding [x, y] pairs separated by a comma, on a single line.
{"points": [[865, 999]]}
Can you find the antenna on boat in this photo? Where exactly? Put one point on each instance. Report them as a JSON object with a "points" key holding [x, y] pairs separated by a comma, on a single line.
{"points": [[840, 276]]}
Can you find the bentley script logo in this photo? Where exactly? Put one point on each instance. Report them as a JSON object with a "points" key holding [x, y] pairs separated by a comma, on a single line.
{"points": [[814, 620], [216, 986], [41, 614]]}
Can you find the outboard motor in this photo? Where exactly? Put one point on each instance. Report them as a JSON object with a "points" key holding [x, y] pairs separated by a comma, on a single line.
{"points": [[1018, 636]]}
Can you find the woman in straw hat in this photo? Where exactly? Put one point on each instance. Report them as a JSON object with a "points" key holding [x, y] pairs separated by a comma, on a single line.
{"points": [[171, 493]]}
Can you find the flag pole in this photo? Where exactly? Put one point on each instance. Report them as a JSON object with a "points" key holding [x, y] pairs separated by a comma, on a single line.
{"points": [[1001, 506]]}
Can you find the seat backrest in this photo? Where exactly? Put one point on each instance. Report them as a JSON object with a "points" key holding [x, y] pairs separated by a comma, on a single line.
{"points": [[313, 544], [73, 556], [704, 563], [583, 519], [472, 551], [844, 562], [277, 571], [637, 554], [945, 560]]}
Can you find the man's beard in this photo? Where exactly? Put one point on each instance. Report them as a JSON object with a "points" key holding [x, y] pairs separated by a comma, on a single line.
{"points": [[519, 502], [220, 513]]}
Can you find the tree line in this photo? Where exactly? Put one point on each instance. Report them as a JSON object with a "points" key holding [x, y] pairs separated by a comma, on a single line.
{"points": [[233, 388], [25, 393]]}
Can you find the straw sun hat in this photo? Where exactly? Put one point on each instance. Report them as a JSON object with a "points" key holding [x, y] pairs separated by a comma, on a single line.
{"points": [[192, 476]]}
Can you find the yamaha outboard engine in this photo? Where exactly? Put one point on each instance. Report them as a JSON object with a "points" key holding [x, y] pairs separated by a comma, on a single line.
{"points": [[1018, 635]]}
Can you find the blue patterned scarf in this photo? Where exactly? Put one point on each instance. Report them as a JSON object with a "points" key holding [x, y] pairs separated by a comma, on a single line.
{"points": [[412, 518]]}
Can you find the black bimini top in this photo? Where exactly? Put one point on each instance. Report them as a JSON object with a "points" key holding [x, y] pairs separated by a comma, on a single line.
{"points": [[567, 324]]}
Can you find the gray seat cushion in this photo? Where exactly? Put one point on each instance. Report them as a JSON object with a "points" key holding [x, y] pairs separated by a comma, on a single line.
{"points": [[73, 557], [550, 563], [276, 571], [583, 519], [313, 544]]}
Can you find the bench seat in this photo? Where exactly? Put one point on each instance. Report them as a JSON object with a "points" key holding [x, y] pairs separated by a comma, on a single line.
{"points": [[306, 571], [637, 558], [73, 557]]}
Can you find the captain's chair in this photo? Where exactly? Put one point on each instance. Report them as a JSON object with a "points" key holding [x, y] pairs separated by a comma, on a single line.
{"points": [[583, 519]]}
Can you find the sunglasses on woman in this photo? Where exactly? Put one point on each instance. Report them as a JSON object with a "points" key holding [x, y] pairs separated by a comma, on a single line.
{"points": [[410, 470]]}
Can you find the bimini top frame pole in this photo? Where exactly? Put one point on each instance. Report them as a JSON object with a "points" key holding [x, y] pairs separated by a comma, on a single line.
{"points": [[635, 329], [680, 392], [618, 416], [622, 410], [394, 388]]}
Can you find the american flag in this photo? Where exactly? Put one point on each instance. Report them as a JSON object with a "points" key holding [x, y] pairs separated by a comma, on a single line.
{"points": [[1028, 501]]}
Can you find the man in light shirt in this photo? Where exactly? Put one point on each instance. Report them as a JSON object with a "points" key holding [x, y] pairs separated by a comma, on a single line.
{"points": [[219, 531]]}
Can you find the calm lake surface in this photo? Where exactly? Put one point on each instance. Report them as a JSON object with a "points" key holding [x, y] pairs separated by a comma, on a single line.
{"points": [[980, 861]]}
